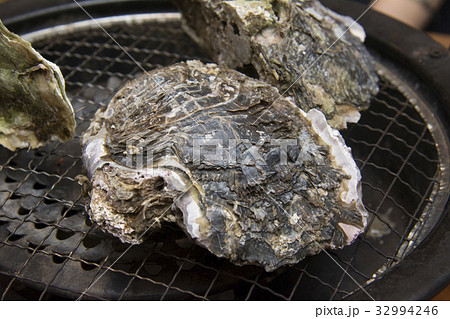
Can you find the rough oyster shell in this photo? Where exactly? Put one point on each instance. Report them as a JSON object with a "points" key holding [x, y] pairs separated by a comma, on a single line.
{"points": [[202, 146], [297, 45], [34, 108]]}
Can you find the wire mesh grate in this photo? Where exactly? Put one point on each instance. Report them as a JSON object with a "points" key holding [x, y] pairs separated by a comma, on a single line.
{"points": [[49, 250]]}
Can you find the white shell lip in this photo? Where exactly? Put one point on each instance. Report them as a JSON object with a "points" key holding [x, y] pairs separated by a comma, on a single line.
{"points": [[95, 151], [352, 26], [342, 158], [191, 214], [320, 12], [350, 231]]}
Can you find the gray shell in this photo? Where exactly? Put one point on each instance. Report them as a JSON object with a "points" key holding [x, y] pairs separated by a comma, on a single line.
{"points": [[199, 145], [297, 45], [34, 107]]}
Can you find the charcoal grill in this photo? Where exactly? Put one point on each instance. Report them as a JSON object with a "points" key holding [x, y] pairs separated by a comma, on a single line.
{"points": [[49, 250]]}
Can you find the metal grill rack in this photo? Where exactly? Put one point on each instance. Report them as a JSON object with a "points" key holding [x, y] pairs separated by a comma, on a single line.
{"points": [[49, 250]]}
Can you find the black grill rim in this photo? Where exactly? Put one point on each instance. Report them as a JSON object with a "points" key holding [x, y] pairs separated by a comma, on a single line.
{"points": [[425, 271]]}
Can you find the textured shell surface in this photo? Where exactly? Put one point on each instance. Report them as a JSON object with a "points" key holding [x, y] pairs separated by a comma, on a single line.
{"points": [[241, 169], [34, 107], [298, 45]]}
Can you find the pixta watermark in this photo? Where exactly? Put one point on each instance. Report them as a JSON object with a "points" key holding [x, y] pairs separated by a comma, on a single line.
{"points": [[221, 152]]}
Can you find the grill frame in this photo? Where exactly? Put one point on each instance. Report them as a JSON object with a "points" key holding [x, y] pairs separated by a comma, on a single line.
{"points": [[405, 288]]}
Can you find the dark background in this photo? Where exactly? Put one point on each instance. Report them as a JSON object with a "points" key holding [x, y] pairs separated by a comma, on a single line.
{"points": [[12, 8], [440, 22]]}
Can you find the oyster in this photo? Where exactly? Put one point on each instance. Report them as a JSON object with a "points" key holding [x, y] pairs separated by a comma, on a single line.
{"points": [[34, 108], [242, 170], [299, 46]]}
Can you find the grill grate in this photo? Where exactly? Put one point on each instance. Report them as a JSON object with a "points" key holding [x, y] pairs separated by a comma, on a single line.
{"points": [[49, 249]]}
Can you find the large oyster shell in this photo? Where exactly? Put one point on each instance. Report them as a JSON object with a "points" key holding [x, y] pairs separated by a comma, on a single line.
{"points": [[298, 45], [34, 108], [246, 173]]}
